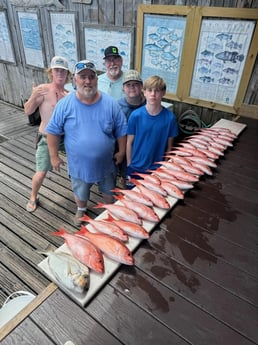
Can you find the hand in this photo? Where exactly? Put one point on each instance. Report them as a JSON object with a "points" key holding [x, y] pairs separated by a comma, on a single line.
{"points": [[40, 90], [56, 163], [118, 157]]}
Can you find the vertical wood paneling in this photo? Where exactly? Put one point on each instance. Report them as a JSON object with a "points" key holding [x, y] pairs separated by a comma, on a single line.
{"points": [[16, 79]]}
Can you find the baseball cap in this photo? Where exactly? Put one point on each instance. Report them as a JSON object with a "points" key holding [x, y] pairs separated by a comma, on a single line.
{"points": [[111, 51], [132, 75], [59, 62], [84, 64]]}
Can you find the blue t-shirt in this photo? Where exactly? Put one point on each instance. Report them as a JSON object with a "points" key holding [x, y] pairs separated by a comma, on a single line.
{"points": [[151, 134], [112, 88], [90, 133], [128, 108]]}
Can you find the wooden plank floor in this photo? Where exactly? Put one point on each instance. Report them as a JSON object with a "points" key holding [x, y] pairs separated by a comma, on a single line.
{"points": [[195, 281]]}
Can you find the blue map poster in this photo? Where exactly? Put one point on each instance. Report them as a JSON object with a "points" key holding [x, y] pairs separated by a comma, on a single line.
{"points": [[31, 38], [163, 40], [6, 50], [64, 36]]}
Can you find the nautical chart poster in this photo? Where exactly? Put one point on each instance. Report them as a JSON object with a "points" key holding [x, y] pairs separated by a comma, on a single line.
{"points": [[163, 40], [29, 27], [221, 54], [96, 40], [6, 49], [64, 36]]}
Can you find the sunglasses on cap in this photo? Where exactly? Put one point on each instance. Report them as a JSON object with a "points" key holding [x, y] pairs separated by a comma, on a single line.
{"points": [[84, 65]]}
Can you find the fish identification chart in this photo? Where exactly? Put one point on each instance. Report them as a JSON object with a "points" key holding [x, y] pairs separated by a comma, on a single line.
{"points": [[97, 281], [222, 49]]}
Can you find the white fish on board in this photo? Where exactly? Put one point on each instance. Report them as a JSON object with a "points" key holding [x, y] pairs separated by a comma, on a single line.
{"points": [[37, 3], [68, 271]]}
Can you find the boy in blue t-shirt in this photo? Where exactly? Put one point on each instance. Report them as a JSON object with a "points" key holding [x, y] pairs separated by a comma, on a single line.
{"points": [[151, 129]]}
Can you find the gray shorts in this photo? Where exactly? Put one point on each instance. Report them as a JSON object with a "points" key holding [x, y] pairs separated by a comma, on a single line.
{"points": [[82, 189]]}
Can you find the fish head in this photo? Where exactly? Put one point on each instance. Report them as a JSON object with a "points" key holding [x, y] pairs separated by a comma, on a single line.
{"points": [[97, 263], [81, 281]]}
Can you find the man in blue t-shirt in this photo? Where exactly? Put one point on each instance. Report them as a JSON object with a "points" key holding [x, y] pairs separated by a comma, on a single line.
{"points": [[92, 122]]}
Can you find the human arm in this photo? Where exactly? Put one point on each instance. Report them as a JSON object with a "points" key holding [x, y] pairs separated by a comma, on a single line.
{"points": [[129, 145], [36, 98], [119, 156], [53, 146]]}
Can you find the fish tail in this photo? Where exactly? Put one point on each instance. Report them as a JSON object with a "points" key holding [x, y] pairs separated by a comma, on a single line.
{"points": [[83, 230], [85, 218], [61, 232], [116, 190], [109, 218], [119, 197], [48, 249], [134, 181], [99, 205]]}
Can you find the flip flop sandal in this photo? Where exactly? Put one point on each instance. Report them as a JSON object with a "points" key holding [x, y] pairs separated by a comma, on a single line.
{"points": [[32, 205]]}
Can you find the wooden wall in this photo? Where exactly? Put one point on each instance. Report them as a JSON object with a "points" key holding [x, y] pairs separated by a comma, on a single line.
{"points": [[16, 79]]}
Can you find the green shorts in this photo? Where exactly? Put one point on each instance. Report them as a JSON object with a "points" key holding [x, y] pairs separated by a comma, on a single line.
{"points": [[43, 162], [42, 156]]}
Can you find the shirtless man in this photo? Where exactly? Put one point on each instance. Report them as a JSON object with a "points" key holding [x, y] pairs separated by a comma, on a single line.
{"points": [[45, 96]]}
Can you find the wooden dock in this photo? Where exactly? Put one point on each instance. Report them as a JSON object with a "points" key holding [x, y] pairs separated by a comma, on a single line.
{"points": [[195, 281]]}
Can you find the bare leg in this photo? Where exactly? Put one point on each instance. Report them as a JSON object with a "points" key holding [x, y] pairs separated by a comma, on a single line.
{"points": [[37, 181], [81, 210]]}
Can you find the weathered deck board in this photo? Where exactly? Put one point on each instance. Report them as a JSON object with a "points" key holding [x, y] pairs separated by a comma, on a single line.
{"points": [[195, 281]]}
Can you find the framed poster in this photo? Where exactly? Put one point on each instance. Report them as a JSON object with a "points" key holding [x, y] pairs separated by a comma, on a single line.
{"points": [[64, 36], [162, 35], [163, 39], [31, 40], [6, 48], [96, 40], [221, 55], [205, 54]]}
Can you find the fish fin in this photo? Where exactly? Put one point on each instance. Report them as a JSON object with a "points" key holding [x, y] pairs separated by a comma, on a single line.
{"points": [[48, 249], [68, 269], [61, 232]]}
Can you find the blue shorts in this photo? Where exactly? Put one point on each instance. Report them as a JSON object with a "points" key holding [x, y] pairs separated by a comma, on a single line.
{"points": [[81, 189]]}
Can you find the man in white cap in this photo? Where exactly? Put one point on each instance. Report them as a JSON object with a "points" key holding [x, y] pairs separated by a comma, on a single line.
{"points": [[92, 122], [111, 82], [45, 97]]}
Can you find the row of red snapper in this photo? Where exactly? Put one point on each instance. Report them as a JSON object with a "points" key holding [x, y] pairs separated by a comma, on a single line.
{"points": [[193, 157]]}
